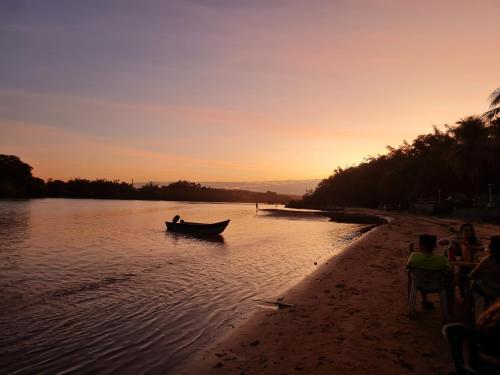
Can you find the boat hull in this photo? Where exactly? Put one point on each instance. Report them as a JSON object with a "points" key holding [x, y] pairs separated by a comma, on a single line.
{"points": [[197, 228]]}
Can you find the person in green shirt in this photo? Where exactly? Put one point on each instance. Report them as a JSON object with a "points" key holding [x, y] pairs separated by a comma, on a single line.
{"points": [[426, 259]]}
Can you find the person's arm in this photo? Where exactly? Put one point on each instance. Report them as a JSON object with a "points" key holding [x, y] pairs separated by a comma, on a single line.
{"points": [[478, 247], [411, 248], [476, 271], [444, 241], [409, 262], [448, 241]]}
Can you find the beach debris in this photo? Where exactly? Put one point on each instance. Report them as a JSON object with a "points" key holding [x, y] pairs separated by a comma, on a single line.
{"points": [[220, 354], [340, 286], [278, 304], [254, 343], [315, 263], [282, 305], [219, 364]]}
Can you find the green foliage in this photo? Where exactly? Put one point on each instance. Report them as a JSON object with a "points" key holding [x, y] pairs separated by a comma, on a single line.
{"points": [[462, 159]]}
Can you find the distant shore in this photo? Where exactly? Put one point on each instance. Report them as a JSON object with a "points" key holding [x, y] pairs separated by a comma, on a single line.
{"points": [[347, 317]]}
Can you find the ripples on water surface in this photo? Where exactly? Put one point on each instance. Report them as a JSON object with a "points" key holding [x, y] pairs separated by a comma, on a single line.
{"points": [[99, 286]]}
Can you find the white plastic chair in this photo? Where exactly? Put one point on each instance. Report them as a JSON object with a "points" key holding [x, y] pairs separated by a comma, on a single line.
{"points": [[429, 282]]}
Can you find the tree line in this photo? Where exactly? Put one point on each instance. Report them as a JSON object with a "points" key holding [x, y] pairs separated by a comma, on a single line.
{"points": [[453, 166], [17, 181]]}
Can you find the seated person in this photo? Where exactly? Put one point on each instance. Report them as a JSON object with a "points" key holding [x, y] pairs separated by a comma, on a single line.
{"points": [[465, 247], [488, 326], [425, 259], [486, 276], [482, 344]]}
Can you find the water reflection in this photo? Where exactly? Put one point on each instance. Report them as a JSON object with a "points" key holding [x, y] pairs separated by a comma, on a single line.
{"points": [[273, 213], [14, 221], [14, 230], [213, 238], [101, 286]]}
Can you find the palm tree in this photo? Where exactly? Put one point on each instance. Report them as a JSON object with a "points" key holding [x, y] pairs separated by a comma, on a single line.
{"points": [[494, 104]]}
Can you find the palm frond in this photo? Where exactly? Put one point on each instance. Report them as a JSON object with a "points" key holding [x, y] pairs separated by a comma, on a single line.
{"points": [[495, 98], [492, 113]]}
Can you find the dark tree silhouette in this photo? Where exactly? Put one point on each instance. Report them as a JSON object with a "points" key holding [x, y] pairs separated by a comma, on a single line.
{"points": [[461, 160], [16, 180]]}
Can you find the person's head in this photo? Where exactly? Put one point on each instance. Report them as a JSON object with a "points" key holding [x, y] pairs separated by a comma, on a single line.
{"points": [[468, 233], [488, 325], [494, 248], [427, 242]]}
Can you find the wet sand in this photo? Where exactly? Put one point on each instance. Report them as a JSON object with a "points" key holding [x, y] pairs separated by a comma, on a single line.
{"points": [[348, 317]]}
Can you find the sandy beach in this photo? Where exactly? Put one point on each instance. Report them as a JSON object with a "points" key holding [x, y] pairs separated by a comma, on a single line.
{"points": [[347, 317]]}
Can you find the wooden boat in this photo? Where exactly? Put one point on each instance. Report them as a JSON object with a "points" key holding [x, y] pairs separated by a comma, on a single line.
{"points": [[197, 228]]}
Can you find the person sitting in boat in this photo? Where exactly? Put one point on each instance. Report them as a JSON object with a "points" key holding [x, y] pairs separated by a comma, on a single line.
{"points": [[176, 219]]}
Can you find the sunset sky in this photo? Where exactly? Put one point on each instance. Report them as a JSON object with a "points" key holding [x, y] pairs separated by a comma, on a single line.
{"points": [[235, 91]]}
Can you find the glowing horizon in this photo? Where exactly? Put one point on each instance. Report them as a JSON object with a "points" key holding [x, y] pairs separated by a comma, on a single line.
{"points": [[217, 91]]}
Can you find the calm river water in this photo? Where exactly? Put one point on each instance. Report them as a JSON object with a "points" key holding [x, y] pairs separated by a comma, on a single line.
{"points": [[96, 286]]}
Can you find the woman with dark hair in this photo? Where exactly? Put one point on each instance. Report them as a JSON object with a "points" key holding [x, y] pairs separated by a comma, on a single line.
{"points": [[465, 247]]}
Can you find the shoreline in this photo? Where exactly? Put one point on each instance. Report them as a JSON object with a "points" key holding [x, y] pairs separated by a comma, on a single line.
{"points": [[346, 217], [346, 317], [277, 301]]}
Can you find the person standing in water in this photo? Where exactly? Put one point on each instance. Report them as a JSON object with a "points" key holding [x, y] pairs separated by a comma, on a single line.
{"points": [[256, 206]]}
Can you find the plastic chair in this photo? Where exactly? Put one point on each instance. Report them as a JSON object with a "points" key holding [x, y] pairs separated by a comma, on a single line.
{"points": [[429, 282]]}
